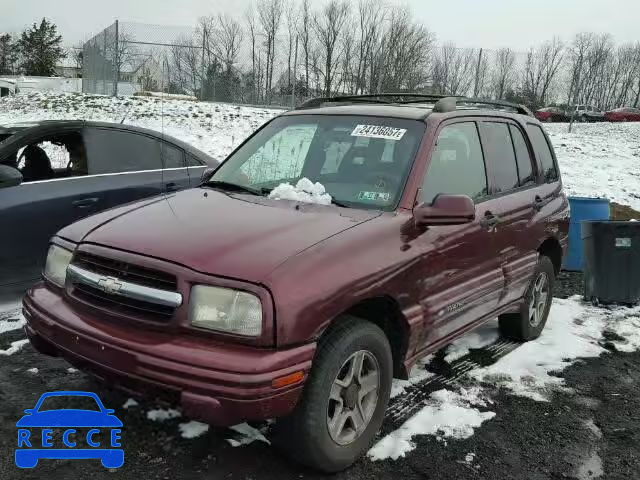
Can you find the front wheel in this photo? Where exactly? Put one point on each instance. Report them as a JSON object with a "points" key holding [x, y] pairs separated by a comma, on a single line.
{"points": [[344, 399], [529, 322]]}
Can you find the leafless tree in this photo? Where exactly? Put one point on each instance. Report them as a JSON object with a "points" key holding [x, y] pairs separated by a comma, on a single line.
{"points": [[541, 69], [123, 54], [329, 24], [252, 29], [304, 34], [270, 16], [292, 37], [404, 54], [453, 72], [370, 20], [226, 39], [503, 72], [185, 67]]}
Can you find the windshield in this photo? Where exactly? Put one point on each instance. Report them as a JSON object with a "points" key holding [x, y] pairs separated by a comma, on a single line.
{"points": [[362, 162]]}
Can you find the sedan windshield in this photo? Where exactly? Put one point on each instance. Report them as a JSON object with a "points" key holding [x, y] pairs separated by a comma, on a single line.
{"points": [[362, 162]]}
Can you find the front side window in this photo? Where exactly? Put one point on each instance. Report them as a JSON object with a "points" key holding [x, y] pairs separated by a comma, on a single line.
{"points": [[362, 162], [457, 164], [543, 152]]}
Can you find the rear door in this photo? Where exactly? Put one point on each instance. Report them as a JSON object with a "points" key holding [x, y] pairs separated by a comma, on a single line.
{"points": [[512, 182], [470, 279], [124, 165]]}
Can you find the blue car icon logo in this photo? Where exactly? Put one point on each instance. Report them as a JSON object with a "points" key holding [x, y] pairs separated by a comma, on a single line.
{"points": [[103, 429]]}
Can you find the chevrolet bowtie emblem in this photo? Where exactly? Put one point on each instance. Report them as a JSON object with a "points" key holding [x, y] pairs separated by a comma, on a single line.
{"points": [[109, 285]]}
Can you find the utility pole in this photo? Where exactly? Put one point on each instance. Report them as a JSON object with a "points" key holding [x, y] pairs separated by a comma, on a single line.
{"points": [[116, 78]]}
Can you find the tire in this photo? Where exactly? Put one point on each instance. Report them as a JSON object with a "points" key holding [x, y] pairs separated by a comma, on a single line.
{"points": [[584, 119], [526, 325], [305, 435]]}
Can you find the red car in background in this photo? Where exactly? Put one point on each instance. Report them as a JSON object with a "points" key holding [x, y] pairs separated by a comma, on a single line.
{"points": [[552, 114], [626, 114]]}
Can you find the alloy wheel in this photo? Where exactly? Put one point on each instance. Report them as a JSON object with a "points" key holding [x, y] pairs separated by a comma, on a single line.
{"points": [[539, 297], [353, 397]]}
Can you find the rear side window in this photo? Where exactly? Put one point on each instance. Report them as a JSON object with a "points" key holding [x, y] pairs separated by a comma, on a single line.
{"points": [[501, 156], [457, 164], [172, 157], [193, 161], [525, 168], [543, 153], [115, 151]]}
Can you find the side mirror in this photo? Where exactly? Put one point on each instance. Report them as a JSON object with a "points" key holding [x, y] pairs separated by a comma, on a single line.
{"points": [[9, 176], [207, 174], [445, 210]]}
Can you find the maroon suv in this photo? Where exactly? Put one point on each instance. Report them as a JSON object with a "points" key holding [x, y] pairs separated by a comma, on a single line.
{"points": [[239, 306]]}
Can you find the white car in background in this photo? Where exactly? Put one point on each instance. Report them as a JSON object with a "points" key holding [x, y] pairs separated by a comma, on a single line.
{"points": [[586, 113]]}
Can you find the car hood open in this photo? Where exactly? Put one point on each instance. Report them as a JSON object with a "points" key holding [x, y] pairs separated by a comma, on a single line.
{"points": [[237, 236]]}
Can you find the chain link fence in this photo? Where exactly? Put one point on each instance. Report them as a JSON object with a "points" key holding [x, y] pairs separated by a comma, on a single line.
{"points": [[208, 64]]}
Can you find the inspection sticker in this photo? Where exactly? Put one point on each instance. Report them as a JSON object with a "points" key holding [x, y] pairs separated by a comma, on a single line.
{"points": [[374, 196], [377, 131]]}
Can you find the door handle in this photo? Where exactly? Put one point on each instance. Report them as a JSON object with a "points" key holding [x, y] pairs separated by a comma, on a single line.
{"points": [[538, 203], [172, 187], [489, 221], [85, 202]]}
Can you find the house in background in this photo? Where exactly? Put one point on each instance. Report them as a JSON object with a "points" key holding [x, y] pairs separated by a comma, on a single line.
{"points": [[68, 68]]}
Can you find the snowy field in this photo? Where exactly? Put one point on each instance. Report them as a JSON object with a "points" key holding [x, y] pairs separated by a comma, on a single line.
{"points": [[601, 159]]}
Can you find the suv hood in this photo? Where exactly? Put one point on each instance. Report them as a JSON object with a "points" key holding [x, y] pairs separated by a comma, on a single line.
{"points": [[237, 236]]}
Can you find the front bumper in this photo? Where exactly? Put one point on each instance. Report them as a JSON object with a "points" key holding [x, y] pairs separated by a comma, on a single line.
{"points": [[215, 382]]}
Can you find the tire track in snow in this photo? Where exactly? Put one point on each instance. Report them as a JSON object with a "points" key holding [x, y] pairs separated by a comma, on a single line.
{"points": [[415, 396]]}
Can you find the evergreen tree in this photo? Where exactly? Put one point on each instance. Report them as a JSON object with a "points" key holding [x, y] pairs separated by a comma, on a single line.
{"points": [[8, 55], [41, 48]]}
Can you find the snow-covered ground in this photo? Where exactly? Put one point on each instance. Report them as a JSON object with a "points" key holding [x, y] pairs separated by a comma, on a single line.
{"points": [[214, 128], [574, 331], [600, 159]]}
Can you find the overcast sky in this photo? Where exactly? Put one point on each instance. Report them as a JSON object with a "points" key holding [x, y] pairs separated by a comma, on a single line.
{"points": [[471, 23]]}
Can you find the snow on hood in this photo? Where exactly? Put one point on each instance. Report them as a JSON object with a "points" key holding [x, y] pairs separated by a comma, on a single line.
{"points": [[305, 191]]}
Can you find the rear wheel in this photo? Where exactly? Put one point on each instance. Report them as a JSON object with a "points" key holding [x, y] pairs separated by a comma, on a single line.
{"points": [[344, 399], [528, 323]]}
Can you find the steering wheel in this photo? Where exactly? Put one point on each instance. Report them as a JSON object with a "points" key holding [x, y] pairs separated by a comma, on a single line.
{"points": [[381, 180]]}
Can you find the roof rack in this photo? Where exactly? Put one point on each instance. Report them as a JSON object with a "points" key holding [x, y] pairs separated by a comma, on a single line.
{"points": [[442, 103], [384, 98], [494, 104]]}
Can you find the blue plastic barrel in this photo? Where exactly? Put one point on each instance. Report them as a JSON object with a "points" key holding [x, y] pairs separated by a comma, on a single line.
{"points": [[582, 208]]}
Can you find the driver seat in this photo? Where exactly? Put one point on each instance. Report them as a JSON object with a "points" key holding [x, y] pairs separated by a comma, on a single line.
{"points": [[352, 169]]}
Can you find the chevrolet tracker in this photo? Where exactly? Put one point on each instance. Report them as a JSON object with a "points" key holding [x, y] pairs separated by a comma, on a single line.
{"points": [[335, 247]]}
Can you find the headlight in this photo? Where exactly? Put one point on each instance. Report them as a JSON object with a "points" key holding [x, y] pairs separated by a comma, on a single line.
{"points": [[58, 260], [225, 310]]}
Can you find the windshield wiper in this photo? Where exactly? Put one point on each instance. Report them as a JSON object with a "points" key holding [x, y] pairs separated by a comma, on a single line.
{"points": [[222, 185], [338, 203]]}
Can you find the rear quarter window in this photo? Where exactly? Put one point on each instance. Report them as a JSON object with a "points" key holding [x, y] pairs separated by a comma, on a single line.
{"points": [[542, 150]]}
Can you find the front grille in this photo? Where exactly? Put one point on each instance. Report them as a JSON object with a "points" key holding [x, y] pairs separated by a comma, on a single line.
{"points": [[124, 272]]}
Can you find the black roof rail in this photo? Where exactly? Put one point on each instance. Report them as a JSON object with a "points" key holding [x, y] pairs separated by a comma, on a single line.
{"points": [[444, 103], [384, 98], [496, 104]]}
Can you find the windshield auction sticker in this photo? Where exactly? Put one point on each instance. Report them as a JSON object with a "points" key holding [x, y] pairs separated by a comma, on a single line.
{"points": [[378, 131]]}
